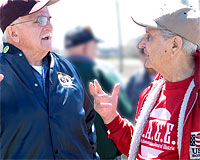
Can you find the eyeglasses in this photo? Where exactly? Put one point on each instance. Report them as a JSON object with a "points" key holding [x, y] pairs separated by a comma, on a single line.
{"points": [[41, 20]]}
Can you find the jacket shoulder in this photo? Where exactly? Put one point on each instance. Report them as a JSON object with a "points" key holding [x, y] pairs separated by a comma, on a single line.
{"points": [[60, 58]]}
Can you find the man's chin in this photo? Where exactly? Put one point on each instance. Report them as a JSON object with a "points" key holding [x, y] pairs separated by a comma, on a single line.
{"points": [[46, 46], [49, 49], [146, 65], [45, 52]]}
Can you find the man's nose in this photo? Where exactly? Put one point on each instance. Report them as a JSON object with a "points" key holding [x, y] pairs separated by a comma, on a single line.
{"points": [[142, 43], [49, 26]]}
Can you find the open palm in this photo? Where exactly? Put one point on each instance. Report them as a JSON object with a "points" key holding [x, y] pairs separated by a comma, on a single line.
{"points": [[104, 104]]}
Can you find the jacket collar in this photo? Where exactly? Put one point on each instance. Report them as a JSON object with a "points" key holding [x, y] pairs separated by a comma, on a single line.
{"points": [[10, 49]]}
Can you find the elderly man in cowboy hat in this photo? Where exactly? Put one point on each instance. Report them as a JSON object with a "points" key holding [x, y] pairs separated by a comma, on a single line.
{"points": [[168, 114], [45, 111]]}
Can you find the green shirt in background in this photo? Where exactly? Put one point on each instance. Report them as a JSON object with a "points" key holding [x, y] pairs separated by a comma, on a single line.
{"points": [[90, 70]]}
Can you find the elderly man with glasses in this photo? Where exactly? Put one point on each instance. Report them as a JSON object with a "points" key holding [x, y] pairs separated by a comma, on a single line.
{"points": [[168, 114], [45, 111]]}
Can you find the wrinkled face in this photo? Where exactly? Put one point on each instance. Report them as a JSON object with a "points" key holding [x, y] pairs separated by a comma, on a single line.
{"points": [[155, 49], [33, 36]]}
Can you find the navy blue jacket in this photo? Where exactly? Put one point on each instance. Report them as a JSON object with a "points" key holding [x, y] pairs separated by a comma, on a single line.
{"points": [[35, 127]]}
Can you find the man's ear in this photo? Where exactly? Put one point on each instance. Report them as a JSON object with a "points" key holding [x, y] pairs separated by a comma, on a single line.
{"points": [[176, 46], [12, 34]]}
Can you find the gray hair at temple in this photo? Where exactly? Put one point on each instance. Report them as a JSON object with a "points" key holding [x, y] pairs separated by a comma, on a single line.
{"points": [[5, 37], [188, 47]]}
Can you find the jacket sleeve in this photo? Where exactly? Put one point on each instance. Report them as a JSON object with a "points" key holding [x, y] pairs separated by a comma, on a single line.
{"points": [[89, 119], [88, 105], [89, 110], [90, 115]]}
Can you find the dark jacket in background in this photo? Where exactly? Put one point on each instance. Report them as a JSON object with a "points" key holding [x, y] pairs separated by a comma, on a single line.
{"points": [[136, 84]]}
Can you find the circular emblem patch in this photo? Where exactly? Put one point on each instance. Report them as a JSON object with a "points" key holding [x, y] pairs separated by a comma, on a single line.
{"points": [[6, 49], [65, 80]]}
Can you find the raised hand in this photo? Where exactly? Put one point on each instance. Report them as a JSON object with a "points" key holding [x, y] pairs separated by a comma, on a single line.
{"points": [[104, 104], [1, 77]]}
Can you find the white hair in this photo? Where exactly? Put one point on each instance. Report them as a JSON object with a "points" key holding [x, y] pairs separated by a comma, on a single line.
{"points": [[5, 34], [188, 47], [5, 37]]}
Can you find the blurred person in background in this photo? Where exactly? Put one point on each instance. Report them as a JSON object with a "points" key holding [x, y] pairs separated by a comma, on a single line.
{"points": [[139, 81], [167, 118], [81, 46], [45, 111]]}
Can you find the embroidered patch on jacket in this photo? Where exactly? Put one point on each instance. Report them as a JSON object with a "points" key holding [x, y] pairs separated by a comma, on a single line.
{"points": [[65, 80], [195, 145], [6, 49]]}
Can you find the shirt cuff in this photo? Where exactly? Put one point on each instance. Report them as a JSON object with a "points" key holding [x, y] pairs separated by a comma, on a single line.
{"points": [[114, 123]]}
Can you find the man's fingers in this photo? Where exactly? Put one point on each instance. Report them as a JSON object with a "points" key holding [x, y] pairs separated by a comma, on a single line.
{"points": [[92, 89], [98, 98], [101, 98], [1, 77], [116, 90], [101, 106], [98, 87]]}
